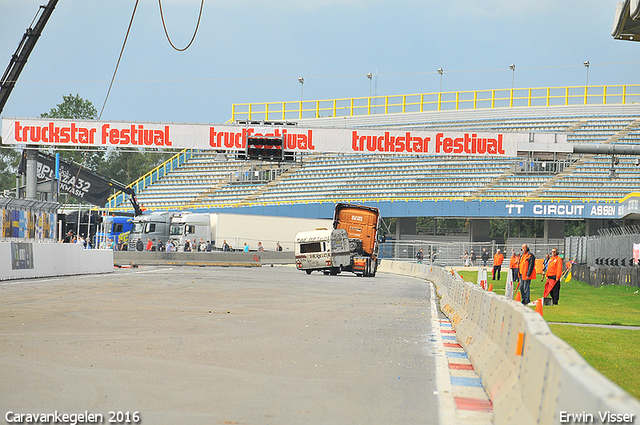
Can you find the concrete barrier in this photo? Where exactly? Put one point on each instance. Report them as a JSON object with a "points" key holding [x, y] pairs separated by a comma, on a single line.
{"points": [[531, 376], [29, 260], [216, 258]]}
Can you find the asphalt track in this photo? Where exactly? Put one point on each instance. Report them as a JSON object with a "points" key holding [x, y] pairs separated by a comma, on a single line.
{"points": [[209, 345]]}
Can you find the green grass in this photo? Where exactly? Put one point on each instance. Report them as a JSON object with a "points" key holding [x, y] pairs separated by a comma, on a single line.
{"points": [[613, 352], [581, 303]]}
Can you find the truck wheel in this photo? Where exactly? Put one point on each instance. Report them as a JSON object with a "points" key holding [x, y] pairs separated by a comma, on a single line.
{"points": [[367, 268], [308, 271], [334, 271]]}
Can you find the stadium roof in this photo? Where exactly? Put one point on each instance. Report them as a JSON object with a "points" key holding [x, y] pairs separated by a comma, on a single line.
{"points": [[626, 25]]}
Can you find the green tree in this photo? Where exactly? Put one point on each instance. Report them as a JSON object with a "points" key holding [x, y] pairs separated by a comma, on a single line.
{"points": [[9, 161], [127, 166], [77, 108], [73, 107]]}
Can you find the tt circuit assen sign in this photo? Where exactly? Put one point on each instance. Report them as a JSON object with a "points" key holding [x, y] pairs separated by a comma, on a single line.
{"points": [[35, 131]]}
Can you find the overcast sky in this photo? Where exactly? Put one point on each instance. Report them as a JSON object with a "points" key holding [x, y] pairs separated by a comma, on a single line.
{"points": [[254, 51]]}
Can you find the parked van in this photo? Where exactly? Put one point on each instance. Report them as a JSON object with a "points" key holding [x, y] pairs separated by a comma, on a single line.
{"points": [[323, 250]]}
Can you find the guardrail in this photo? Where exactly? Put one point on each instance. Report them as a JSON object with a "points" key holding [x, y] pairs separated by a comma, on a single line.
{"points": [[441, 101], [218, 258], [531, 376]]}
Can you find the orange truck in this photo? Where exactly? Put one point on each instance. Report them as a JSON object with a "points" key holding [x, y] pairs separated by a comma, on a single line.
{"points": [[361, 226]]}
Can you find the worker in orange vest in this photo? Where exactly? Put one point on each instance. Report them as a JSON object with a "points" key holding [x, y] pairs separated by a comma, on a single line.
{"points": [[497, 264], [554, 271], [527, 267], [513, 266]]}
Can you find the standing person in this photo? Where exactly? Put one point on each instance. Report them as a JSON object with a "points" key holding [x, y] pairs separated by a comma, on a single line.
{"points": [[160, 246], [465, 258], [225, 246], [149, 245], [545, 263], [246, 247], [473, 258], [68, 237], [420, 256], [497, 264], [513, 266], [139, 246], [527, 267], [260, 247], [554, 271], [278, 247], [484, 256]]}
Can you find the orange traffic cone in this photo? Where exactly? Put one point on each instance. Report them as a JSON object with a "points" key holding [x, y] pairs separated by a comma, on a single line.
{"points": [[491, 287], [539, 307], [518, 298]]}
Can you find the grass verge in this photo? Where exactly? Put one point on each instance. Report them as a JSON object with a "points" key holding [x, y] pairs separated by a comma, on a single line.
{"points": [[613, 352]]}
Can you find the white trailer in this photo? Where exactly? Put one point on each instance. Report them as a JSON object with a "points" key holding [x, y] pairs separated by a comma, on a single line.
{"points": [[323, 250], [238, 229]]}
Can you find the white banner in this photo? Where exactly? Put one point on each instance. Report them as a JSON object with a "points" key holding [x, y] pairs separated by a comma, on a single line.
{"points": [[38, 131]]}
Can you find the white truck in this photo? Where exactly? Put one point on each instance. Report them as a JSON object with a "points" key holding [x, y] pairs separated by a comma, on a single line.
{"points": [[238, 229]]}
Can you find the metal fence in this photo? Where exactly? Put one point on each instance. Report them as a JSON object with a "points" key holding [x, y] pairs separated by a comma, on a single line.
{"points": [[613, 248], [453, 253], [27, 219]]}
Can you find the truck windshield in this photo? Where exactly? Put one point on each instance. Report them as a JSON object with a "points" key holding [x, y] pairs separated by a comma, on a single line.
{"points": [[311, 247], [138, 227], [176, 229]]}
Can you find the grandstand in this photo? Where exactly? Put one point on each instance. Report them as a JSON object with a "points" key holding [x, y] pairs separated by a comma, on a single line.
{"points": [[593, 115]]}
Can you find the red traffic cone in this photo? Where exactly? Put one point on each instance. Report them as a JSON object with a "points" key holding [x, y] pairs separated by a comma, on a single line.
{"points": [[491, 287], [518, 298], [539, 307]]}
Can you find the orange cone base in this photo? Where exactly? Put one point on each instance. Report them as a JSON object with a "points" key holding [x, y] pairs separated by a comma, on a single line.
{"points": [[518, 298], [491, 287], [539, 307]]}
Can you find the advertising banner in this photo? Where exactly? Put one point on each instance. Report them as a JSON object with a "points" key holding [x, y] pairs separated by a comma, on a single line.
{"points": [[75, 181], [231, 137]]}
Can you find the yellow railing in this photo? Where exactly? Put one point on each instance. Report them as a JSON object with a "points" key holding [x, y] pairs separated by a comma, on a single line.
{"points": [[443, 101], [151, 177]]}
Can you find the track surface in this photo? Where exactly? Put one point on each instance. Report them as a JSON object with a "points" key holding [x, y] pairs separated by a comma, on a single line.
{"points": [[220, 346]]}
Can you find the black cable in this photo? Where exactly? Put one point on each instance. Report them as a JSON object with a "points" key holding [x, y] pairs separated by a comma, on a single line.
{"points": [[167, 33], [119, 57], [113, 77]]}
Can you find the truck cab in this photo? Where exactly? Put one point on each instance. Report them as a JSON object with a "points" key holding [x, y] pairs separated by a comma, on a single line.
{"points": [[112, 227], [323, 250], [361, 224], [189, 226], [154, 226]]}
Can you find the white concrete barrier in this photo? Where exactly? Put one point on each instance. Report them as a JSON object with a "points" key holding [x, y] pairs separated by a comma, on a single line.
{"points": [[531, 376], [20, 260]]}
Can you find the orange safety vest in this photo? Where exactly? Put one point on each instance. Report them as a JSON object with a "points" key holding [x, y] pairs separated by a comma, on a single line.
{"points": [[554, 268], [498, 259], [525, 260], [513, 262]]}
